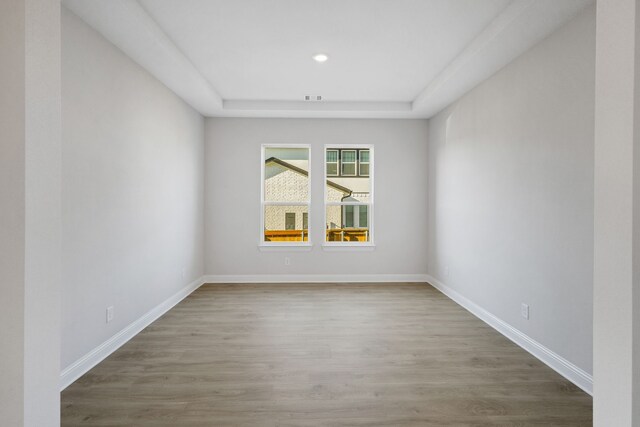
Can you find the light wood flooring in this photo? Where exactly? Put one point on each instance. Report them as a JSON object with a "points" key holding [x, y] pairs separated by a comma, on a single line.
{"points": [[395, 354]]}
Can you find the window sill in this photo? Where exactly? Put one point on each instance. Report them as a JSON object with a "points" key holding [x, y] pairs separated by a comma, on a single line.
{"points": [[285, 247], [357, 247]]}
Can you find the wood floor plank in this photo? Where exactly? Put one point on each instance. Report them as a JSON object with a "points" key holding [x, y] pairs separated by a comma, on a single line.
{"points": [[395, 354]]}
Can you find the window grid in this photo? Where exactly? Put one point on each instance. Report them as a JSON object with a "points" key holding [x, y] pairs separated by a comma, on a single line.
{"points": [[363, 166], [348, 160], [333, 164]]}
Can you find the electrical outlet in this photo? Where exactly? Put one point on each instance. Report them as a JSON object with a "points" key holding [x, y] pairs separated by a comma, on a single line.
{"points": [[109, 314], [524, 311], [287, 260]]}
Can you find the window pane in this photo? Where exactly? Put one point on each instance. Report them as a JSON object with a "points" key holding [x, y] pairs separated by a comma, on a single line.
{"points": [[363, 216], [285, 223], [364, 156], [348, 156], [364, 169], [305, 221], [290, 221], [286, 173], [347, 216], [332, 169], [332, 156], [348, 169], [336, 216]]}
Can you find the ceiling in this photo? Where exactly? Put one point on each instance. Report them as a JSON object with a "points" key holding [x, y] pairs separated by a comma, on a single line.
{"points": [[379, 50], [387, 58]]}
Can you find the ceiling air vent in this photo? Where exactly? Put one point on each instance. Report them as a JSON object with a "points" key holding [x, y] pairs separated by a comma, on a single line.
{"points": [[312, 98]]}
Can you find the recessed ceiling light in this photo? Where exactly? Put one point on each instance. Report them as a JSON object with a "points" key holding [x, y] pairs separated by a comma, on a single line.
{"points": [[320, 57]]}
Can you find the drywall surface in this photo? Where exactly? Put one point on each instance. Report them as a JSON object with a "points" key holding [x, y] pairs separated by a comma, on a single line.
{"points": [[12, 210], [616, 310], [132, 190], [511, 192], [42, 212], [30, 212], [232, 184]]}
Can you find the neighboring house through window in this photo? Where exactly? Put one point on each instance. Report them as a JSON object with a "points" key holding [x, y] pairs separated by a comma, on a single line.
{"points": [[286, 199], [349, 195], [332, 162], [285, 195], [347, 162], [348, 159], [363, 162], [290, 221]]}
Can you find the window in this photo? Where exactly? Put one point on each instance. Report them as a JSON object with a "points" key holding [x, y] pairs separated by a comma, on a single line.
{"points": [[332, 162], [290, 221], [363, 216], [285, 195], [364, 163], [347, 215], [349, 196], [355, 216], [348, 162]]}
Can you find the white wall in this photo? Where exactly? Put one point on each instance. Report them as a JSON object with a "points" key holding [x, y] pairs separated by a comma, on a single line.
{"points": [[232, 182], [132, 190], [511, 192], [12, 198], [616, 310], [29, 212]]}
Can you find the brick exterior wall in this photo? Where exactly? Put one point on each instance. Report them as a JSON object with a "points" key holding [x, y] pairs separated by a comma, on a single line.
{"points": [[285, 185]]}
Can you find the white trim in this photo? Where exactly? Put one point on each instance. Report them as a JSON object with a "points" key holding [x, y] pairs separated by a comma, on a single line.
{"points": [[315, 278], [285, 246], [347, 203], [81, 366], [286, 203], [253, 106], [556, 362], [348, 246]]}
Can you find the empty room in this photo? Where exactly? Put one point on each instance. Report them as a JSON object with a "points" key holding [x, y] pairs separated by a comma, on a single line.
{"points": [[319, 213]]}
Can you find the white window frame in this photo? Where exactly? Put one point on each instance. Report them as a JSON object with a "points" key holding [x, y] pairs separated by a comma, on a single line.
{"points": [[286, 245], [337, 162], [342, 163], [366, 163], [350, 245]]}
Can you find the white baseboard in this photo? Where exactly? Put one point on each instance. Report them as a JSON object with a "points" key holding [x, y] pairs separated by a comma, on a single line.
{"points": [[556, 362], [565, 368], [98, 354], [314, 278]]}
